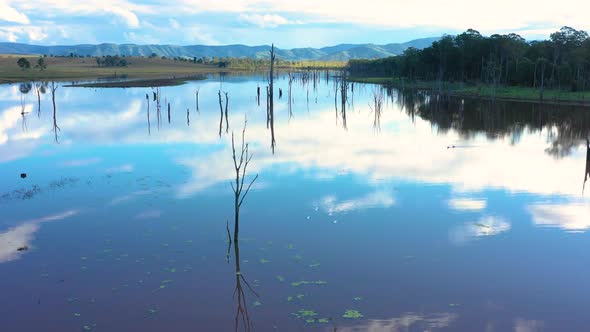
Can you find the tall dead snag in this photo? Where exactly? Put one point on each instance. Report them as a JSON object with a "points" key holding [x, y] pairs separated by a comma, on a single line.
{"points": [[240, 165], [344, 98], [267, 108], [55, 126], [147, 99], [291, 77], [38, 91], [188, 120], [23, 114], [221, 113], [378, 108], [197, 100], [168, 112], [271, 98], [226, 117], [258, 94]]}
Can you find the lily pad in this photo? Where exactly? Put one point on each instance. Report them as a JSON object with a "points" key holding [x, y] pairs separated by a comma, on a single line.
{"points": [[306, 282], [352, 314], [303, 313]]}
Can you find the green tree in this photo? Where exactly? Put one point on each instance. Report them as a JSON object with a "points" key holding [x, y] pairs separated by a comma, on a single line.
{"points": [[23, 63], [41, 64]]}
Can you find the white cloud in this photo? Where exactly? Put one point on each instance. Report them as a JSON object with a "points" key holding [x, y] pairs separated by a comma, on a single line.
{"points": [[10, 14], [174, 24], [453, 14], [467, 204], [573, 216], [265, 21], [128, 16]]}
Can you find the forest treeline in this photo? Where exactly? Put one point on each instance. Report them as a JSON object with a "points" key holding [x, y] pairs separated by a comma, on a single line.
{"points": [[561, 62]]}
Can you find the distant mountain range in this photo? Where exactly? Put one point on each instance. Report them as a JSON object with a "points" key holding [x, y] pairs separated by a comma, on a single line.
{"points": [[338, 52]]}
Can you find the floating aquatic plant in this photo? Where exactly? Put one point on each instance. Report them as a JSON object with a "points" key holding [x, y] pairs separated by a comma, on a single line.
{"points": [[352, 314], [264, 261], [303, 313], [281, 278], [305, 282], [257, 303], [358, 298], [314, 265]]}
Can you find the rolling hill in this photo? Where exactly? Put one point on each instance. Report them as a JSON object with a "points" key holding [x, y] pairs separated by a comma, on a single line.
{"points": [[338, 52]]}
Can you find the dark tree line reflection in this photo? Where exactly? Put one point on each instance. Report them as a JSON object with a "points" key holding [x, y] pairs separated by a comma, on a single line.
{"points": [[566, 125]]}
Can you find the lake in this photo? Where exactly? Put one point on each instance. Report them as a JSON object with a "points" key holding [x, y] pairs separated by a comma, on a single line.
{"points": [[423, 213]]}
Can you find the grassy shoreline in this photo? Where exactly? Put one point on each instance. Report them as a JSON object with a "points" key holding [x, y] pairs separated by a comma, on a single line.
{"points": [[75, 69], [482, 91]]}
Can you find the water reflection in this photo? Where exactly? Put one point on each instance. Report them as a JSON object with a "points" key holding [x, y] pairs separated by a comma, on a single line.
{"points": [[587, 171], [566, 126], [21, 236], [56, 128], [241, 163], [398, 194], [406, 322]]}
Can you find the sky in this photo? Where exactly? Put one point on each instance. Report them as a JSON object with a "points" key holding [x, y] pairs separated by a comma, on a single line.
{"points": [[287, 23]]}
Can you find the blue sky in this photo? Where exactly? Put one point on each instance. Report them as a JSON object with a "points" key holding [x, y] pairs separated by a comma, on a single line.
{"points": [[287, 23]]}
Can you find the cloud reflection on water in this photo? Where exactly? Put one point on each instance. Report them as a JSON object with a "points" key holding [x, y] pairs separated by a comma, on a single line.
{"points": [[22, 235]]}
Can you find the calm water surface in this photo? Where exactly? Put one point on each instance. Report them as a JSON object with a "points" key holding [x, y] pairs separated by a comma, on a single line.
{"points": [[433, 215]]}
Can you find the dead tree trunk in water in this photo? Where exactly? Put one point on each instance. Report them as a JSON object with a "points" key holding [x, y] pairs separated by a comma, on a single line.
{"points": [[240, 166], [221, 113], [147, 99], [289, 95], [271, 97], [258, 94], [197, 100], [168, 112], [55, 126], [226, 117], [38, 90]]}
